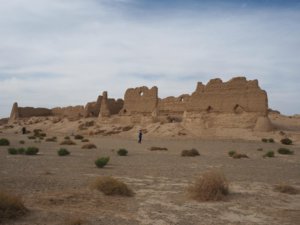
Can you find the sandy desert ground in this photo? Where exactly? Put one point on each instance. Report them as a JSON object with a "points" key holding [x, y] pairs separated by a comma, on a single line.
{"points": [[56, 189]]}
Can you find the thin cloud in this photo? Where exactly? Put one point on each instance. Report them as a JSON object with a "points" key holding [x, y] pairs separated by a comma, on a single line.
{"points": [[74, 50]]}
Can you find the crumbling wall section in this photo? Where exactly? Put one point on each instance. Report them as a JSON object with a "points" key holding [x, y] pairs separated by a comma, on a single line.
{"points": [[92, 109], [140, 100], [26, 112], [173, 105], [115, 106], [71, 112], [235, 96]]}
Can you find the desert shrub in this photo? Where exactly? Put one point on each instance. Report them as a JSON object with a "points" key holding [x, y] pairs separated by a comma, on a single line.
{"points": [[89, 123], [31, 151], [11, 206], [101, 162], [122, 152], [231, 153], [38, 133], [22, 142], [4, 142], [63, 152], [73, 221], [67, 142], [21, 150], [12, 151], [78, 137], [287, 189], [260, 149], [239, 156], [154, 148], [53, 139], [190, 152], [67, 138], [264, 140], [269, 154], [271, 140], [31, 137], [89, 146], [111, 186], [210, 186], [85, 140], [285, 151], [286, 141]]}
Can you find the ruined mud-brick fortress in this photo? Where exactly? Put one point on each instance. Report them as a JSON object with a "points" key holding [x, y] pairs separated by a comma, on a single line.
{"points": [[236, 103]]}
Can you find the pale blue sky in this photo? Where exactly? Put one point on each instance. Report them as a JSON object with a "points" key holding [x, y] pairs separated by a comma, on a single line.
{"points": [[66, 52]]}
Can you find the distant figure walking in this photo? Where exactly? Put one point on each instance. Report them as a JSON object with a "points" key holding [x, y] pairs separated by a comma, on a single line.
{"points": [[140, 136], [23, 130]]}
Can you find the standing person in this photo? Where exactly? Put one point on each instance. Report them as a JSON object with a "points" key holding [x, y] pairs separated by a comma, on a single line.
{"points": [[140, 136]]}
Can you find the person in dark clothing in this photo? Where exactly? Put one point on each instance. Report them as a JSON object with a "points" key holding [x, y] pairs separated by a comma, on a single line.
{"points": [[23, 130], [140, 136]]}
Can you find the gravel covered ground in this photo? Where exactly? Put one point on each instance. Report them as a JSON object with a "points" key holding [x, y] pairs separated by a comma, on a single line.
{"points": [[56, 189]]}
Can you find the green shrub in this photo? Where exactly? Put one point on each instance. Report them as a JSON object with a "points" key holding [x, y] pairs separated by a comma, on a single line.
{"points": [[285, 151], [286, 141], [111, 186], [269, 154], [271, 140], [231, 153], [63, 152], [21, 150], [78, 137], [264, 140], [190, 152], [31, 151], [12, 151], [101, 162], [4, 142], [122, 152], [22, 142]]}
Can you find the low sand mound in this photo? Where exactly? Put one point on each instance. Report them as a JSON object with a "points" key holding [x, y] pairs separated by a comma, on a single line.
{"points": [[263, 124]]}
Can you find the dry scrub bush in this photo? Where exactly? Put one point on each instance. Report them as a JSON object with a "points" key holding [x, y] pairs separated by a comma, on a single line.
{"points": [[67, 142], [190, 152], [210, 186], [158, 149], [286, 141], [11, 206], [111, 186], [286, 189], [53, 139], [239, 156], [74, 221], [78, 137], [89, 146]]}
